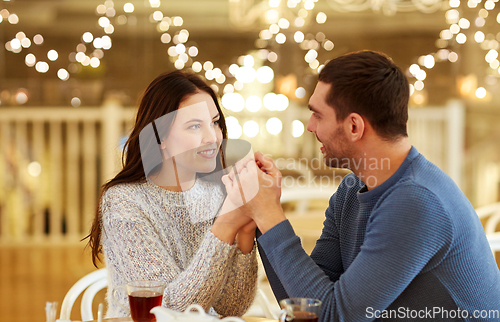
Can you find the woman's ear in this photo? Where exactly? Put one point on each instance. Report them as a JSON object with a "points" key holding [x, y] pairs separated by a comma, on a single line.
{"points": [[164, 150], [354, 126]]}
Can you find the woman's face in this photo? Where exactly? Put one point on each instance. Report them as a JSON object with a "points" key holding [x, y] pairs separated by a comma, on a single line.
{"points": [[195, 137]]}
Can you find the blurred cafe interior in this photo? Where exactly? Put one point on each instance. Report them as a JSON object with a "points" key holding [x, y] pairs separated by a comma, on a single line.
{"points": [[72, 72]]}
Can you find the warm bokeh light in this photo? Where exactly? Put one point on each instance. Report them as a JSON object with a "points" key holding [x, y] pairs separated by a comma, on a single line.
{"points": [[34, 169], [280, 38], [274, 125], [30, 60], [321, 17], [233, 102], [196, 67], [300, 92], [481, 92], [297, 128], [328, 45], [63, 74], [251, 128], [76, 102], [265, 74], [21, 97], [269, 101], [52, 55], [128, 7], [253, 103], [42, 67], [246, 74], [88, 37], [234, 129], [298, 36]]}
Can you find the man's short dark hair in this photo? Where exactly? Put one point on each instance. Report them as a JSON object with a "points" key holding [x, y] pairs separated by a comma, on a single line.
{"points": [[370, 84]]}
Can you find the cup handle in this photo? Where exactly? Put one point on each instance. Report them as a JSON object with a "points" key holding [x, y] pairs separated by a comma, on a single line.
{"points": [[115, 298], [285, 315]]}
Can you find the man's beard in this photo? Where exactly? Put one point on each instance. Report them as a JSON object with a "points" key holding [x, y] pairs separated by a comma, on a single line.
{"points": [[342, 155]]}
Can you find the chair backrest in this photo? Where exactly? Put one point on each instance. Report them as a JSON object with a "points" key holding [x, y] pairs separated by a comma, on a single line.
{"points": [[303, 197], [89, 285], [88, 298], [490, 215]]}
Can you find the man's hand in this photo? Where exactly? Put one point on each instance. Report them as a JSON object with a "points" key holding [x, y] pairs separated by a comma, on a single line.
{"points": [[256, 186]]}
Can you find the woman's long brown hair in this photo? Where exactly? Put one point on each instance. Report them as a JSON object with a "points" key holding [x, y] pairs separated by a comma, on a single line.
{"points": [[161, 97]]}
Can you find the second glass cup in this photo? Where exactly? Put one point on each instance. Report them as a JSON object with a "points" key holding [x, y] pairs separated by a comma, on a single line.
{"points": [[300, 309]]}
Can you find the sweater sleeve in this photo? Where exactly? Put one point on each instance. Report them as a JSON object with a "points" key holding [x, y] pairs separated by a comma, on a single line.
{"points": [[135, 251], [239, 290], [406, 233], [326, 253]]}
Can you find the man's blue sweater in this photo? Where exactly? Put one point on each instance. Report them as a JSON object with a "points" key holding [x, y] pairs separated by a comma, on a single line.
{"points": [[413, 247]]}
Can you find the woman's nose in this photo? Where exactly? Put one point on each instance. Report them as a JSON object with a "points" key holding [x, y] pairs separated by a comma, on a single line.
{"points": [[209, 135]]}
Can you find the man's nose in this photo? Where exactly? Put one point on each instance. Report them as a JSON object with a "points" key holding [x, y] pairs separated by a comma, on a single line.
{"points": [[311, 126]]}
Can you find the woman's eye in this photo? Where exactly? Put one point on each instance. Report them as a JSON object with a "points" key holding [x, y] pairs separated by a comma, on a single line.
{"points": [[216, 123], [195, 127]]}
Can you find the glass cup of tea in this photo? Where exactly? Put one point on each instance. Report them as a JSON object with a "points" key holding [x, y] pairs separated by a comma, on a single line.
{"points": [[300, 309], [142, 297]]}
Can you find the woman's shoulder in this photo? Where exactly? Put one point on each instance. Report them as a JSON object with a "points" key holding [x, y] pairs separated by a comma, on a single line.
{"points": [[126, 191], [124, 188]]}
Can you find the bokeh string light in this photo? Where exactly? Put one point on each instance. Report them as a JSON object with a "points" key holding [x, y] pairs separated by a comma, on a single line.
{"points": [[464, 30]]}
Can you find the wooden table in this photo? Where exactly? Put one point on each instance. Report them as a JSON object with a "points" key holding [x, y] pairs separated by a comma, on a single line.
{"points": [[245, 318]]}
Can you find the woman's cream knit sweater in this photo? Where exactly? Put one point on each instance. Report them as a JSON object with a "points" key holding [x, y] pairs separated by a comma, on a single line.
{"points": [[153, 233]]}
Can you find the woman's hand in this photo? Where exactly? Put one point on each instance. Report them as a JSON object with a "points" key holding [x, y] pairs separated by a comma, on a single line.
{"points": [[230, 222], [255, 186], [246, 237]]}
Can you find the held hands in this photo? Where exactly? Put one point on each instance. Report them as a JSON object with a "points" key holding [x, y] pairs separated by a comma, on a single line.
{"points": [[254, 186]]}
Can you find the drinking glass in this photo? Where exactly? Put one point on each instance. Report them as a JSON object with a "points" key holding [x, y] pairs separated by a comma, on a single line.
{"points": [[299, 309], [142, 297]]}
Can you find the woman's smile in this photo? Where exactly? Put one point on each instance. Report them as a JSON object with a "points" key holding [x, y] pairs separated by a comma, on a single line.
{"points": [[208, 154]]}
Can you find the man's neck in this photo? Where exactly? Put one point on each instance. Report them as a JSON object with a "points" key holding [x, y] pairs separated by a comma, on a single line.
{"points": [[380, 160]]}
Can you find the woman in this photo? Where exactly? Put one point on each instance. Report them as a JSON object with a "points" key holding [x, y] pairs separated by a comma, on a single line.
{"points": [[159, 220]]}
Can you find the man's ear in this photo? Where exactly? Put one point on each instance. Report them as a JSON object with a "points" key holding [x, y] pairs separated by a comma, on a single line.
{"points": [[354, 126]]}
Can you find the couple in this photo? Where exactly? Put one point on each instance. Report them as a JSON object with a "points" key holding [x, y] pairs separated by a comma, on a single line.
{"points": [[398, 242]]}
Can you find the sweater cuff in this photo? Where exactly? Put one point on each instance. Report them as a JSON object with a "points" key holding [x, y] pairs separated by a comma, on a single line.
{"points": [[221, 246], [276, 236]]}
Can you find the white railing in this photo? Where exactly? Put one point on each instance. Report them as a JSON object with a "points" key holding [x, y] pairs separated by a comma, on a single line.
{"points": [[439, 134], [78, 150]]}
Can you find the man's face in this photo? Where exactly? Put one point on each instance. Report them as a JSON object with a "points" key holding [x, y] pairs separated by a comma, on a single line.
{"points": [[331, 133]]}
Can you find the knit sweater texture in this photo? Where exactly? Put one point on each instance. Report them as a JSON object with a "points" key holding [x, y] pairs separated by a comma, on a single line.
{"points": [[401, 251], [150, 233]]}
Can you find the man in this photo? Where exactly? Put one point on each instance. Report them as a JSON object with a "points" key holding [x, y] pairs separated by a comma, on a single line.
{"points": [[400, 240]]}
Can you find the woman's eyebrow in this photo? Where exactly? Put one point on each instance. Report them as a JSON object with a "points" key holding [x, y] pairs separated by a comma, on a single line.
{"points": [[199, 120], [193, 120]]}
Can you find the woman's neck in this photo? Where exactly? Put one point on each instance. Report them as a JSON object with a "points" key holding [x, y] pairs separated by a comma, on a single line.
{"points": [[173, 178]]}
